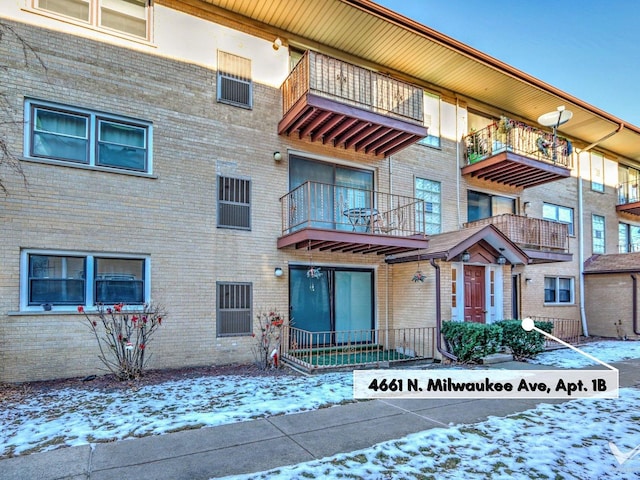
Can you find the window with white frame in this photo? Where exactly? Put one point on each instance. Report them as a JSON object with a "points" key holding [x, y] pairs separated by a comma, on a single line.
{"points": [[80, 136], [431, 120], [234, 203], [597, 172], [233, 309], [234, 85], [430, 192], [557, 213], [559, 290], [628, 238], [597, 231], [70, 279], [131, 17]]}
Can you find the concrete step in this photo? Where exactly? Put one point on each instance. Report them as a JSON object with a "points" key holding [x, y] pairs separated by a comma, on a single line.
{"points": [[497, 358]]}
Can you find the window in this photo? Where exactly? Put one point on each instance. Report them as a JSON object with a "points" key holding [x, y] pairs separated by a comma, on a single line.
{"points": [[233, 312], [628, 180], [234, 203], [597, 172], [234, 80], [558, 290], [628, 238], [130, 17], [556, 213], [482, 205], [63, 280], [84, 137], [429, 191], [431, 120], [597, 229]]}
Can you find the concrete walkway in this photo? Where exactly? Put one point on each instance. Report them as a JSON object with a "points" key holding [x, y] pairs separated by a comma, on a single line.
{"points": [[273, 442]]}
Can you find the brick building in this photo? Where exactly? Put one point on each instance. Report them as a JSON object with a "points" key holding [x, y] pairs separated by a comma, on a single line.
{"points": [[182, 152]]}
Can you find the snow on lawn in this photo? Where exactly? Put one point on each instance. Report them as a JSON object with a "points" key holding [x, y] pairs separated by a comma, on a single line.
{"points": [[570, 440], [74, 416], [607, 351]]}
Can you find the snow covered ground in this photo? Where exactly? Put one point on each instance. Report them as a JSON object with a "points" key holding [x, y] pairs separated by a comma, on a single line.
{"points": [[551, 441]]}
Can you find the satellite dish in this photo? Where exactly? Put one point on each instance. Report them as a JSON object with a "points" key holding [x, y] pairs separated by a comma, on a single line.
{"points": [[555, 119]]}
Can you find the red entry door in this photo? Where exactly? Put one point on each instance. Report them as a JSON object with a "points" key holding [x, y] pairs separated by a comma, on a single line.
{"points": [[474, 307]]}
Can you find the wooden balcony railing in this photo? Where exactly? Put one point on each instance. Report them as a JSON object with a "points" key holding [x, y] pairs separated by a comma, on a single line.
{"points": [[517, 137], [334, 207], [347, 83], [351, 348], [533, 233]]}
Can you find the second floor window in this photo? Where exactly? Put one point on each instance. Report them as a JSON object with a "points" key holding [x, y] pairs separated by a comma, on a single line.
{"points": [[597, 227], [234, 203], [557, 213], [80, 136], [130, 17], [482, 205], [628, 238], [429, 191]]}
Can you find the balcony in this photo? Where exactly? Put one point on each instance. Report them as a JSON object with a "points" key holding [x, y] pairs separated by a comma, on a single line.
{"points": [[542, 240], [334, 102], [516, 154], [628, 198], [344, 219]]}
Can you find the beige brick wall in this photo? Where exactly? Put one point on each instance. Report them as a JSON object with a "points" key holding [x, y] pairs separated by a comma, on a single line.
{"points": [[609, 305]]}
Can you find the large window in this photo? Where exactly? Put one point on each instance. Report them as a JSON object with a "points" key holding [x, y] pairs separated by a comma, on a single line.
{"points": [[556, 213], [597, 230], [628, 181], [431, 120], [234, 203], [558, 290], [234, 80], [429, 191], [233, 314], [597, 172], [65, 280], [482, 205], [130, 17], [628, 238], [84, 137]]}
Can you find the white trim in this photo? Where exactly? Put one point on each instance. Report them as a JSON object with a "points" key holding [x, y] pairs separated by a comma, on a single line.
{"points": [[89, 258]]}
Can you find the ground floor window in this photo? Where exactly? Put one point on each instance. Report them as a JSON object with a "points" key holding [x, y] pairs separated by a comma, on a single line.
{"points": [[55, 279], [233, 312], [339, 302], [558, 290]]}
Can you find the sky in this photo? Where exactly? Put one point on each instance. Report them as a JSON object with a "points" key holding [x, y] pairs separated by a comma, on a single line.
{"points": [[586, 48]]}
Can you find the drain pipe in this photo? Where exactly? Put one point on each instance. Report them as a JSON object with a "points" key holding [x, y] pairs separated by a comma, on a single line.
{"points": [[442, 351], [634, 307]]}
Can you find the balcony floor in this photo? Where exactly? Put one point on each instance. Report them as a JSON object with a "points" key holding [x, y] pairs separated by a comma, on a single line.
{"points": [[352, 242], [331, 122], [515, 170]]}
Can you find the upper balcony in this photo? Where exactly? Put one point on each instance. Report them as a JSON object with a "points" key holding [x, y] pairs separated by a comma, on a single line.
{"points": [[542, 240], [516, 154], [628, 198], [344, 219], [337, 103]]}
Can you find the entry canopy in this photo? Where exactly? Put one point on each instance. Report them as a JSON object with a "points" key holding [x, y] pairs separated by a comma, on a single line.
{"points": [[451, 245]]}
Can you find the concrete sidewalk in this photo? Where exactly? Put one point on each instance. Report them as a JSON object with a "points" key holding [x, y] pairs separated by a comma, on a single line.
{"points": [[268, 443]]}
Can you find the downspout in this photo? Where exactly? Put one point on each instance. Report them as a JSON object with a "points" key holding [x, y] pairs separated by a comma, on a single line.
{"points": [[634, 307], [583, 314], [458, 173], [442, 351]]}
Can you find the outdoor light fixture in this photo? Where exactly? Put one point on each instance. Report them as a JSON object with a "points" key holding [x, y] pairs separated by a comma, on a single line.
{"points": [[466, 256], [278, 272], [527, 280], [277, 156], [277, 43], [501, 260]]}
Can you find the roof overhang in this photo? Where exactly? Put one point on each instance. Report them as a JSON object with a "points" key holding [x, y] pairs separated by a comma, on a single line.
{"points": [[451, 245], [373, 36]]}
